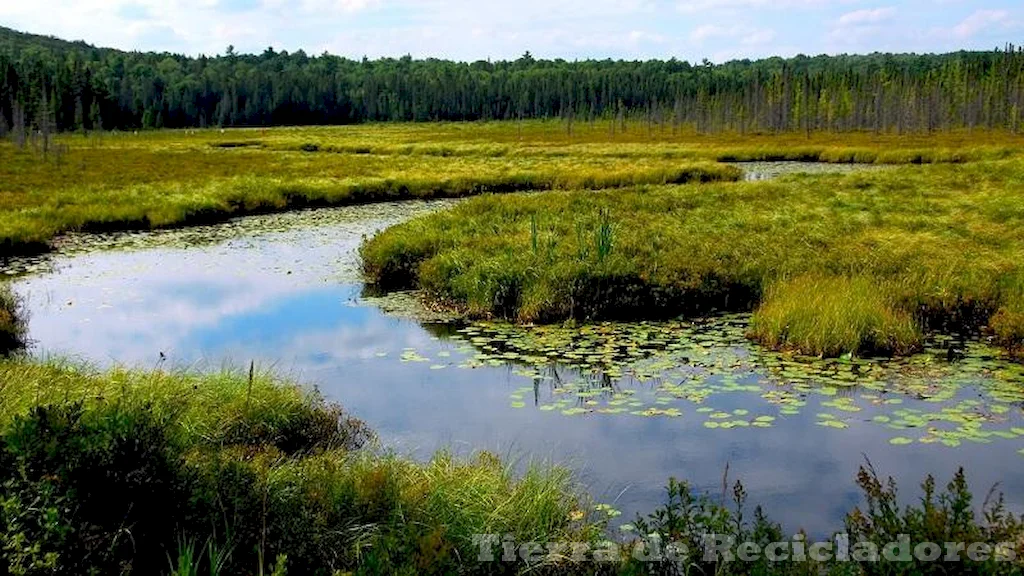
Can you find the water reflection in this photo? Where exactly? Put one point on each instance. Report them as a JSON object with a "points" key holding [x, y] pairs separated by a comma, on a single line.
{"points": [[286, 297]]}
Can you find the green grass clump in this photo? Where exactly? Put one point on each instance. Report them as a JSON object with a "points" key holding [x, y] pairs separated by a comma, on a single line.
{"points": [[122, 471], [1008, 326], [12, 321], [215, 409], [941, 242], [826, 316]]}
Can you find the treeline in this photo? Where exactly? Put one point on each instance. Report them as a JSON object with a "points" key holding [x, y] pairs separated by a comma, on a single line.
{"points": [[47, 85]]}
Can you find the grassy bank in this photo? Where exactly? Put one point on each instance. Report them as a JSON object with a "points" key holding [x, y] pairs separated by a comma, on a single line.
{"points": [[133, 472], [34, 218], [832, 264], [12, 321], [169, 178]]}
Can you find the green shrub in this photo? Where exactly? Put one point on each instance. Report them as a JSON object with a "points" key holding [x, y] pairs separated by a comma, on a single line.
{"points": [[91, 492], [946, 516], [949, 516]]}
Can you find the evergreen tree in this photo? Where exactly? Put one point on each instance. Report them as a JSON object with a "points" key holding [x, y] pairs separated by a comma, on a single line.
{"points": [[877, 92]]}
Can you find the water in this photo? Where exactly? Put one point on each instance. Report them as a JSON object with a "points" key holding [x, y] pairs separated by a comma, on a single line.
{"points": [[757, 171], [627, 406]]}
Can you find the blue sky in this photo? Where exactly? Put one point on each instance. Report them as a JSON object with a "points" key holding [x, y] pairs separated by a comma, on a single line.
{"points": [[477, 29]]}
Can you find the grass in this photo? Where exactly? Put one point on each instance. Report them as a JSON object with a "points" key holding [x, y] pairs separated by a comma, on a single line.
{"points": [[832, 316], [214, 409], [120, 471], [171, 178], [157, 472], [938, 232], [890, 253], [12, 321]]}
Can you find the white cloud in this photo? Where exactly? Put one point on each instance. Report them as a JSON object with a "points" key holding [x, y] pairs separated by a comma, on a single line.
{"points": [[326, 7], [699, 6], [741, 33], [497, 29], [979, 21], [868, 16]]}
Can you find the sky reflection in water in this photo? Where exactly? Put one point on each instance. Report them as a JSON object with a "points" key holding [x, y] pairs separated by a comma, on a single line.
{"points": [[282, 291]]}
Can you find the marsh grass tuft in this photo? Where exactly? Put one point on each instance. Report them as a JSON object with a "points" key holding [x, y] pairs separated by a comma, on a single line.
{"points": [[1008, 327], [604, 236], [13, 322], [832, 316]]}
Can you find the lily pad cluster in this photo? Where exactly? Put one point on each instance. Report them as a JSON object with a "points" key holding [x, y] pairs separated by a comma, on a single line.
{"points": [[704, 369]]}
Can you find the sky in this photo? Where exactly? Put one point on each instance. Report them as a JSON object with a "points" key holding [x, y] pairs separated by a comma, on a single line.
{"points": [[468, 30]]}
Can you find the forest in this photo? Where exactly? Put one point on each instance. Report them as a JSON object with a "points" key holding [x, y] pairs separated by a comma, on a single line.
{"points": [[48, 85]]}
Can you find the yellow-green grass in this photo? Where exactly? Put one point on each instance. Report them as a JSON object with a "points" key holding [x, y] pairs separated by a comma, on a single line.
{"points": [[832, 315], [168, 178], [12, 320], [1008, 323], [941, 244], [209, 408], [109, 188], [263, 466]]}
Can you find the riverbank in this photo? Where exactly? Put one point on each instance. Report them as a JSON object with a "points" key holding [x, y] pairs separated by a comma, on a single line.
{"points": [[247, 469], [238, 473], [862, 263]]}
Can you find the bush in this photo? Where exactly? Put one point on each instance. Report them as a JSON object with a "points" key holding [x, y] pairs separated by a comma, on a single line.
{"points": [[941, 517], [687, 518], [97, 492]]}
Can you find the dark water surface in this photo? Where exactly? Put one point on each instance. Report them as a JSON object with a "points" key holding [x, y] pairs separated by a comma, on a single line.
{"points": [[625, 405]]}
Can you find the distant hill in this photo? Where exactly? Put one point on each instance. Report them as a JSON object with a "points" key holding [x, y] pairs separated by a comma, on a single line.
{"points": [[12, 39], [73, 85]]}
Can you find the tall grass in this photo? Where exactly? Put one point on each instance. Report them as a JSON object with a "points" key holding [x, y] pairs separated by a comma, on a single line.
{"points": [[930, 246], [126, 471], [833, 316], [216, 409], [1008, 321], [170, 203], [13, 325]]}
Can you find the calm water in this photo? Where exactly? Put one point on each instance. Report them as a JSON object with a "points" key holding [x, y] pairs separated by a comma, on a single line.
{"points": [[641, 404]]}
